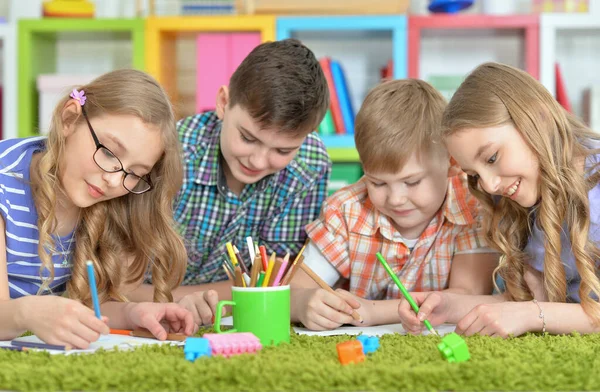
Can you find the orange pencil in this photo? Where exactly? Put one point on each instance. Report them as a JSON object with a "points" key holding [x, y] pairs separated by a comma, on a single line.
{"points": [[263, 256], [291, 271]]}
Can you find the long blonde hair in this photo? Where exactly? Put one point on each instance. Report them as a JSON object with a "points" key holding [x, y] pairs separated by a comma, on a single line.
{"points": [[493, 95], [139, 227]]}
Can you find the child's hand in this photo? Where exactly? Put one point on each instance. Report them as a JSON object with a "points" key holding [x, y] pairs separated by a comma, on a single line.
{"points": [[320, 310], [433, 306], [161, 318], [202, 304], [500, 319], [63, 321]]}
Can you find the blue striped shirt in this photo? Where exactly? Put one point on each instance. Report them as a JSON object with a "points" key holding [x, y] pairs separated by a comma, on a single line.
{"points": [[20, 218]]}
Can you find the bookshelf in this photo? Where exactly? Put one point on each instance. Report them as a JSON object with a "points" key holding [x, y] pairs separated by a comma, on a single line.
{"points": [[37, 54]]}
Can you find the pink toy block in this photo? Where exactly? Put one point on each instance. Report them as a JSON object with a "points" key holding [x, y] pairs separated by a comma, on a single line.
{"points": [[228, 344]]}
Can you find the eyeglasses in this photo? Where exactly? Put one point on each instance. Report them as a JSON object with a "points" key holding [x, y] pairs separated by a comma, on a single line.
{"points": [[107, 161]]}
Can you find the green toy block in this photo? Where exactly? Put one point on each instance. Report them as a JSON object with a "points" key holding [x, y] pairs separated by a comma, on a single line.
{"points": [[453, 348]]}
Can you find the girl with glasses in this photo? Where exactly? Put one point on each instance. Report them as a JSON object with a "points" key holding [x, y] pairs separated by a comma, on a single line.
{"points": [[99, 187]]}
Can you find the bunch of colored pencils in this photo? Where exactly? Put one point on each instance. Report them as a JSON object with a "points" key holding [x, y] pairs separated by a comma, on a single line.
{"points": [[264, 271]]}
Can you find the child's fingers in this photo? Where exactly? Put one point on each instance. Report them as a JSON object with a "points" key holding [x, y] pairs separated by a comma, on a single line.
{"points": [[203, 314], [407, 314], [334, 315], [336, 302], [92, 322], [322, 323], [427, 307], [349, 298], [155, 328], [468, 324], [212, 299]]}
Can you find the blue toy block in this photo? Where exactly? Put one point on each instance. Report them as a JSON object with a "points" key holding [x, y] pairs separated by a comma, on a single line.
{"points": [[370, 343], [196, 347]]}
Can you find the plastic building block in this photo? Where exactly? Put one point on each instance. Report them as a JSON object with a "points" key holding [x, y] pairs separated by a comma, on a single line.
{"points": [[350, 352], [228, 344], [369, 343], [196, 347], [454, 348]]}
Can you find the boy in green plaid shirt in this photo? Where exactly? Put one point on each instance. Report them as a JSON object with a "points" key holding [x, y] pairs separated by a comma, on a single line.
{"points": [[253, 167]]}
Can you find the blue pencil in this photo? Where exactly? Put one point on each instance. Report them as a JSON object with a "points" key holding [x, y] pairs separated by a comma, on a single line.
{"points": [[93, 288]]}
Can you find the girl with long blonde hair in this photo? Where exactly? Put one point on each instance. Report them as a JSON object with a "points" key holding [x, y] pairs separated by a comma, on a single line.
{"points": [[99, 187], [534, 167]]}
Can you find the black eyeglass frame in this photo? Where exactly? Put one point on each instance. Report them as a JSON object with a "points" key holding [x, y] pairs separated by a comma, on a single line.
{"points": [[100, 146]]}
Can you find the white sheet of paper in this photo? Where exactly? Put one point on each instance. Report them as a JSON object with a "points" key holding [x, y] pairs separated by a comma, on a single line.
{"points": [[377, 330], [108, 342]]}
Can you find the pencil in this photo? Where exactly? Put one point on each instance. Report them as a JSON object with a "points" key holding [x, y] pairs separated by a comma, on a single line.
{"points": [[261, 278], [240, 260], [13, 348], [231, 253], [256, 268], [404, 291], [263, 256], [287, 278], [269, 270], [19, 343], [229, 275], [93, 288], [251, 249], [126, 332], [144, 333], [237, 277], [282, 269], [325, 286]]}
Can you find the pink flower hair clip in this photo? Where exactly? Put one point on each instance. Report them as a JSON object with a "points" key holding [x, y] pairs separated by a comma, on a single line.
{"points": [[79, 96]]}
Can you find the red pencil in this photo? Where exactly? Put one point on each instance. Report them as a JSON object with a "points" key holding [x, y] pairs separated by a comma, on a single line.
{"points": [[263, 256]]}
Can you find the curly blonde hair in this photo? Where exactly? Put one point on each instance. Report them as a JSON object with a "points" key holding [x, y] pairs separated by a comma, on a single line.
{"points": [[494, 95], [136, 228]]}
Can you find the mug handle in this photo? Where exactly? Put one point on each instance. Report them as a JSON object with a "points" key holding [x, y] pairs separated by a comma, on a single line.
{"points": [[217, 325]]}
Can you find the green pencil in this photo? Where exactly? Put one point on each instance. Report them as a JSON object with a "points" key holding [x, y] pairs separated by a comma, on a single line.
{"points": [[261, 278], [405, 292]]}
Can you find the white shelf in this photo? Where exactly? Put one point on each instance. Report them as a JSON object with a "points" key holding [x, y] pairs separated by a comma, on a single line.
{"points": [[551, 26]]}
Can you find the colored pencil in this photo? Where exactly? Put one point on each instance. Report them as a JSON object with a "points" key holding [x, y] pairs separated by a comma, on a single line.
{"points": [[282, 269], [325, 286], [269, 270], [229, 275], [231, 254], [292, 269], [13, 348], [93, 288], [255, 270], [263, 256], [240, 260], [261, 278], [19, 343], [144, 333], [237, 277], [251, 249], [274, 273]]}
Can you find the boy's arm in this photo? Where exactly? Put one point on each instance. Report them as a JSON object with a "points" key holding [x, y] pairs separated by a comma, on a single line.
{"points": [[471, 273]]}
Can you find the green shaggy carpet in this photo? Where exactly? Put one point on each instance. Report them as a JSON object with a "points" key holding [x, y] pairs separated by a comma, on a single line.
{"points": [[532, 362]]}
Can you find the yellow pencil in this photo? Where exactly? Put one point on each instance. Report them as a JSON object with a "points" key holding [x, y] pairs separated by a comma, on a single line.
{"points": [[269, 270], [231, 254]]}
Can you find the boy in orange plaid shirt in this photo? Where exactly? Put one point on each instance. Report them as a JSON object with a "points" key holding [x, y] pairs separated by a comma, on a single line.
{"points": [[412, 205]]}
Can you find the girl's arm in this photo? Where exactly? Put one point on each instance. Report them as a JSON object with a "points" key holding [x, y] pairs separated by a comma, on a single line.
{"points": [[561, 318], [472, 273]]}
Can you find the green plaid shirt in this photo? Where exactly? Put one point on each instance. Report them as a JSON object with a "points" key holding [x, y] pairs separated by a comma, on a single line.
{"points": [[274, 211]]}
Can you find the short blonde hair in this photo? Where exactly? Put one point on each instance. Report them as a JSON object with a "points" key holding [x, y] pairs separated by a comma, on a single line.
{"points": [[397, 119]]}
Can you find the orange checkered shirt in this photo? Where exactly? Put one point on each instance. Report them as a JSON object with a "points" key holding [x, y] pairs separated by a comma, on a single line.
{"points": [[350, 230]]}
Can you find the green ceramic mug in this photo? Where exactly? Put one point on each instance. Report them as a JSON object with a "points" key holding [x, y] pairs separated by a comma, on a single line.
{"points": [[264, 311]]}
